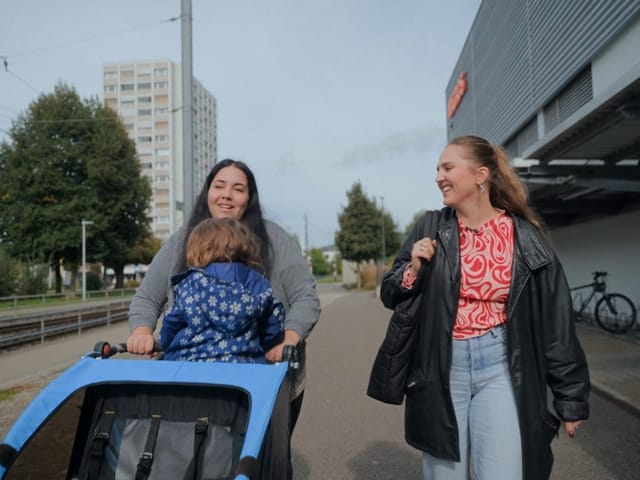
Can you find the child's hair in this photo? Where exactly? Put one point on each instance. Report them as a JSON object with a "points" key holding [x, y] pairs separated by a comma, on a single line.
{"points": [[222, 240]]}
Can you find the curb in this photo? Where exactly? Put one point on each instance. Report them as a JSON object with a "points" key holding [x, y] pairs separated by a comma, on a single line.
{"points": [[614, 398]]}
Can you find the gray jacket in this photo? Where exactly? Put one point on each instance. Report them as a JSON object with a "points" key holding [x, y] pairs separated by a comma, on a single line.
{"points": [[290, 279]]}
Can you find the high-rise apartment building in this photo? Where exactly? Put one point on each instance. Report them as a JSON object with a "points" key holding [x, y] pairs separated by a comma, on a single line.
{"points": [[148, 98]]}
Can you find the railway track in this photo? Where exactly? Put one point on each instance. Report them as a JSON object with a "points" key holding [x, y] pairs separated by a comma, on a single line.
{"points": [[36, 327]]}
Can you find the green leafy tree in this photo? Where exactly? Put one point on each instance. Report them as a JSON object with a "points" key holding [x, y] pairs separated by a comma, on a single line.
{"points": [[123, 195], [319, 265], [69, 159], [360, 236], [9, 269], [392, 237]]}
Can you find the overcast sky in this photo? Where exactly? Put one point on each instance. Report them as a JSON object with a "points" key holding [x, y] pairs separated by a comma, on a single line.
{"points": [[312, 95]]}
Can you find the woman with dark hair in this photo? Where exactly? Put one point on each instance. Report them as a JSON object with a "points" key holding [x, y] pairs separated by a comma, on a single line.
{"points": [[494, 331], [230, 191]]}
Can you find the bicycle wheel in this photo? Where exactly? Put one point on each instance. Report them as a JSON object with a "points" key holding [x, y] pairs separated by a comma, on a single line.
{"points": [[615, 313]]}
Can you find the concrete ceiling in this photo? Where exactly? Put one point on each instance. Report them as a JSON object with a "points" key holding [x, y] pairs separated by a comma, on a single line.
{"points": [[591, 167]]}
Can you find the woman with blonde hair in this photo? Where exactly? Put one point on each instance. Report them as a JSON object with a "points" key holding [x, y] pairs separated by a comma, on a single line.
{"points": [[495, 327]]}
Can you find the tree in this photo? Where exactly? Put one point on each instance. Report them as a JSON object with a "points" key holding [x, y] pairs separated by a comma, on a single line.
{"points": [[319, 265], [116, 179], [8, 274], [360, 236], [392, 237], [69, 160]]}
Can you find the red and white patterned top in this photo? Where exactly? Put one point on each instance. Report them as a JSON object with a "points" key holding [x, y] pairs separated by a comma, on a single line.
{"points": [[486, 256]]}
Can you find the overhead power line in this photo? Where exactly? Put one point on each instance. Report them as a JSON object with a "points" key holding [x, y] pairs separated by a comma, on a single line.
{"points": [[86, 39], [22, 80]]}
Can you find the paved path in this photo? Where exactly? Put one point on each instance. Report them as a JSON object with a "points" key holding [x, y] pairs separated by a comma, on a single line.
{"points": [[342, 434]]}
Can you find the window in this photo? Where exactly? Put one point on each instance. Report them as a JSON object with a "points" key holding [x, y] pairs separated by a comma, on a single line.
{"points": [[126, 87], [162, 138], [110, 75], [144, 111], [144, 139], [144, 99], [159, 72], [110, 88], [144, 86], [161, 85], [162, 111]]}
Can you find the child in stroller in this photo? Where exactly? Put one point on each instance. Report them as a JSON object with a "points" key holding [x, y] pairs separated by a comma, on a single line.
{"points": [[223, 308]]}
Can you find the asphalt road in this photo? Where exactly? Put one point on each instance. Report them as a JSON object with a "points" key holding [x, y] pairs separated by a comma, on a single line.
{"points": [[342, 434]]}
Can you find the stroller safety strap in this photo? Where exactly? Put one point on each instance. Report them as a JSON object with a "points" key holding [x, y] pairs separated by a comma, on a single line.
{"points": [[146, 459], [99, 443], [194, 471]]}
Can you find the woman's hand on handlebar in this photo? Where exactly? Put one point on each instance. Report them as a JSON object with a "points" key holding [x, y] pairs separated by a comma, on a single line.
{"points": [[141, 341], [291, 337]]}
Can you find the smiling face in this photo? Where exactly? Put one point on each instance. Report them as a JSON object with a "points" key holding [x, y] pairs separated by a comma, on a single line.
{"points": [[458, 177], [228, 193]]}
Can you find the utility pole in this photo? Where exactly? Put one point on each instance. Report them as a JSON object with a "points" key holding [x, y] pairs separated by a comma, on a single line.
{"points": [[187, 110], [306, 235], [384, 250]]}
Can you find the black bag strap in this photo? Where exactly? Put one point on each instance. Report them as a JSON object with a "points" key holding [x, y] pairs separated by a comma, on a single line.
{"points": [[99, 443], [194, 471], [429, 222], [146, 459]]}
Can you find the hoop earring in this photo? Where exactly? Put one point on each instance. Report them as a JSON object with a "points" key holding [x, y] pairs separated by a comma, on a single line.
{"points": [[482, 189]]}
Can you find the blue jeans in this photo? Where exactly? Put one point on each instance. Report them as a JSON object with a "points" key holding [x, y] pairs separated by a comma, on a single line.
{"points": [[486, 414]]}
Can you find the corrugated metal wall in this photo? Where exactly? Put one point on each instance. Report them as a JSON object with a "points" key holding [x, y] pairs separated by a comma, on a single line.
{"points": [[520, 54]]}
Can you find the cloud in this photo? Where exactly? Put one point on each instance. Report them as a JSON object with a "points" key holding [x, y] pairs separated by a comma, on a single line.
{"points": [[410, 143]]}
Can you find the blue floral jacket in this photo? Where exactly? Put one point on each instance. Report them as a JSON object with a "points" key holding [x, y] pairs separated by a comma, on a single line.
{"points": [[224, 312]]}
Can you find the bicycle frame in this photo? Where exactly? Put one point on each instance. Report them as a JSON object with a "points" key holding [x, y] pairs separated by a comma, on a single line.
{"points": [[583, 302], [598, 286]]}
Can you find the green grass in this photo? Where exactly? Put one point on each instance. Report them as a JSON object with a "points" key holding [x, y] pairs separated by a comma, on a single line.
{"points": [[9, 393]]}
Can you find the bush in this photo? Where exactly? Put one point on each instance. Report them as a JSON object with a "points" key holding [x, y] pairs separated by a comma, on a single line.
{"points": [[94, 282], [8, 274], [369, 276], [32, 279]]}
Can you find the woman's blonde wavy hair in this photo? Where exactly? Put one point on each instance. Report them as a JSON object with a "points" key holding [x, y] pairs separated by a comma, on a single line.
{"points": [[506, 190]]}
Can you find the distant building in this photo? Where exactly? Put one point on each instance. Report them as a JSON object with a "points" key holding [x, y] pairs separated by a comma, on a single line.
{"points": [[148, 98]]}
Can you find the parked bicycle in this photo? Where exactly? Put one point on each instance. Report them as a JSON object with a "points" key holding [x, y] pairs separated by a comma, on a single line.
{"points": [[614, 312]]}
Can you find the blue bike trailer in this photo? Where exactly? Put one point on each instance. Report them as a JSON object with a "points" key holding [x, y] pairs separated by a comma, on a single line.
{"points": [[150, 419]]}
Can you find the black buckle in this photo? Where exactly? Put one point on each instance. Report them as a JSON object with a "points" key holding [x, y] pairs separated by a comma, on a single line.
{"points": [[144, 465]]}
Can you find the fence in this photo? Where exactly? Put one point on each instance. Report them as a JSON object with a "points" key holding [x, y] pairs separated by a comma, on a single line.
{"points": [[17, 301], [40, 325]]}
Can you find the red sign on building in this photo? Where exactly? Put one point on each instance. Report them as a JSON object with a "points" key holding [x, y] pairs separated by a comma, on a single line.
{"points": [[456, 96]]}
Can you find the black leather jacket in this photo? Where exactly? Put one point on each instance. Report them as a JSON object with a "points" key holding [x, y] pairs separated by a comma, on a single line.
{"points": [[542, 344]]}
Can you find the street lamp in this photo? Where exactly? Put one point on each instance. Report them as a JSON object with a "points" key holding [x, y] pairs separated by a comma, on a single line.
{"points": [[84, 224]]}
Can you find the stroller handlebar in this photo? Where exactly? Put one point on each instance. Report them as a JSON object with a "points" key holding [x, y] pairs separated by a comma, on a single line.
{"points": [[103, 349]]}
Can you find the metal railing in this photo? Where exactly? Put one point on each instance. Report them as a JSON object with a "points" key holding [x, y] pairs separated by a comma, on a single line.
{"points": [[39, 326], [18, 301]]}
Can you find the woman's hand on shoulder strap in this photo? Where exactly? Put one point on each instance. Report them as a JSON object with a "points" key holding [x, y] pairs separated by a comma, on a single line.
{"points": [[423, 248]]}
